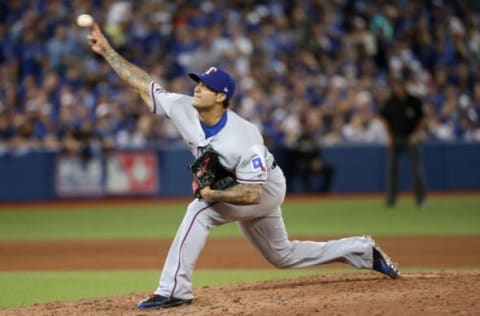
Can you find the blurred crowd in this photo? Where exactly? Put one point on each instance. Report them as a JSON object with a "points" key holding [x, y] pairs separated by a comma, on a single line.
{"points": [[326, 64]]}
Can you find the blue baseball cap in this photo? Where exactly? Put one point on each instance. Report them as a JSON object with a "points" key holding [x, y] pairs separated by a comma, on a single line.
{"points": [[216, 79]]}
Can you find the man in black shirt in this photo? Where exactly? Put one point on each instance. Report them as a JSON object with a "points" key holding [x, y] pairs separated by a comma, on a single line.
{"points": [[404, 120]]}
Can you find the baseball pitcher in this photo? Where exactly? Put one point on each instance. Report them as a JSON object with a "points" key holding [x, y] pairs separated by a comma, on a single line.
{"points": [[235, 178]]}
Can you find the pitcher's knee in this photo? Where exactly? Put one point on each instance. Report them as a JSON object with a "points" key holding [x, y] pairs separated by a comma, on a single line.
{"points": [[280, 264], [280, 259]]}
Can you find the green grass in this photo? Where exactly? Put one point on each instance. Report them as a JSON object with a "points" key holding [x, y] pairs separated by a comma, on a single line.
{"points": [[26, 288], [443, 215], [90, 222]]}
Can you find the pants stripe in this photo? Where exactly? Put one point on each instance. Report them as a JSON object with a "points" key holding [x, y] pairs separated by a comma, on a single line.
{"points": [[181, 246]]}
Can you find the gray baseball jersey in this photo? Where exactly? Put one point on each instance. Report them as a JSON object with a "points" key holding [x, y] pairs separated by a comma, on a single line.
{"points": [[241, 150]]}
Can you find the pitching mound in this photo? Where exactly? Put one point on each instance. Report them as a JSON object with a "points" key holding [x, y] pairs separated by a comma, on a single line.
{"points": [[439, 293]]}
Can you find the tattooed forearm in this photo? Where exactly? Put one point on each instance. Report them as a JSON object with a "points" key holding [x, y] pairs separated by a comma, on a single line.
{"points": [[136, 77], [133, 75], [241, 194]]}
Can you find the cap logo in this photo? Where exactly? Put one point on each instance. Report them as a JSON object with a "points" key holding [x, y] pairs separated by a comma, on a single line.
{"points": [[210, 70]]}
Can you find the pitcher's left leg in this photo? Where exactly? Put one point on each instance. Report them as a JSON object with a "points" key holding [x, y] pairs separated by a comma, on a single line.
{"points": [[269, 236]]}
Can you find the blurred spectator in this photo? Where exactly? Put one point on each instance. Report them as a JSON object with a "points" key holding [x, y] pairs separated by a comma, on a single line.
{"points": [[62, 48], [306, 162], [290, 58]]}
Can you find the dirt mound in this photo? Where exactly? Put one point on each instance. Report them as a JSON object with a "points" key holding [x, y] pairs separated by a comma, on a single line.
{"points": [[439, 293]]}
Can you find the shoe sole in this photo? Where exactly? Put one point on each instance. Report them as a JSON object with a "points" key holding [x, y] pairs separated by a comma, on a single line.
{"points": [[168, 305]]}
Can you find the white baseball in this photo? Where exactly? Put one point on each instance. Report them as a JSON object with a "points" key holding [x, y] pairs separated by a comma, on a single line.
{"points": [[84, 20]]}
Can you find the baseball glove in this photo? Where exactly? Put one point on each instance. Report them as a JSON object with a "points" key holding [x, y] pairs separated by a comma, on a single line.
{"points": [[208, 171]]}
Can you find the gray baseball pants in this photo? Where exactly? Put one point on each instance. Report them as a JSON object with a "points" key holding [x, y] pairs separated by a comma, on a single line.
{"points": [[264, 227]]}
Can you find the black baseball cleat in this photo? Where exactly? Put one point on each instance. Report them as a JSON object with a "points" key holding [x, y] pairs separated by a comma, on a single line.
{"points": [[382, 262], [158, 301]]}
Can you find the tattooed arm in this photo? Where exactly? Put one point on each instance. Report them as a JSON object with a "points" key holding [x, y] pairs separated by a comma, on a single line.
{"points": [[240, 194], [133, 75]]}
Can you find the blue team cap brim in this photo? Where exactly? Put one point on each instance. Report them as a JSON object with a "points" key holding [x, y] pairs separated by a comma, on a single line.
{"points": [[194, 77], [198, 78]]}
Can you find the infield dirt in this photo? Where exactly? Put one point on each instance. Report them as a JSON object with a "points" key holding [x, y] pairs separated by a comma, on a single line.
{"points": [[343, 294]]}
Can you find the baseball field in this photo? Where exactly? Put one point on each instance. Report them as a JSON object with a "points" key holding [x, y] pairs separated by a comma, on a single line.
{"points": [[101, 257]]}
